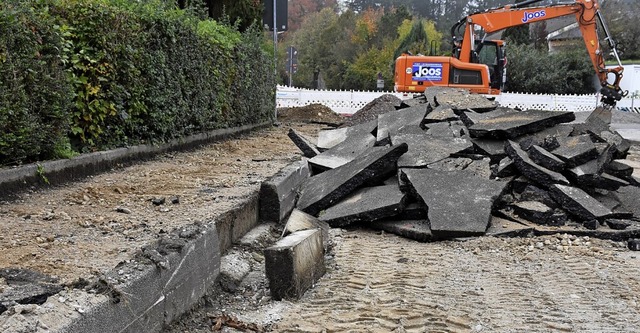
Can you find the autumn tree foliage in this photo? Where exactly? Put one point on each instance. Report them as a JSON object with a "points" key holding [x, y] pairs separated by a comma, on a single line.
{"points": [[298, 10]]}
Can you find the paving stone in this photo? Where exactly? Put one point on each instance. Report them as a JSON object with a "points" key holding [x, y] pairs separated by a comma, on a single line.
{"points": [[530, 169], [326, 189], [425, 149], [576, 150], [364, 205], [294, 264], [278, 194], [417, 230], [344, 152], [577, 202], [305, 145], [330, 138], [546, 159], [513, 125], [459, 203], [390, 123], [442, 113]]}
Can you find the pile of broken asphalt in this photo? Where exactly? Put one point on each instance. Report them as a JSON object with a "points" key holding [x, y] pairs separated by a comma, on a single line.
{"points": [[447, 164]]}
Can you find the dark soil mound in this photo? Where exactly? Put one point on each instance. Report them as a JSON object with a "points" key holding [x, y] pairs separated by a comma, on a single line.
{"points": [[313, 113], [380, 105]]}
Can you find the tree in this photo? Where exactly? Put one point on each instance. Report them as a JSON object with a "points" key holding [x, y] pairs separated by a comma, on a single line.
{"points": [[298, 10], [517, 35]]}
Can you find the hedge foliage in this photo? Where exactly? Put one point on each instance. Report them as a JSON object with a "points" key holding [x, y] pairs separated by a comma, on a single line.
{"points": [[86, 75]]}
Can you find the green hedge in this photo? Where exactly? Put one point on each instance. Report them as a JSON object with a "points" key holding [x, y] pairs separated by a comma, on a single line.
{"points": [[113, 73]]}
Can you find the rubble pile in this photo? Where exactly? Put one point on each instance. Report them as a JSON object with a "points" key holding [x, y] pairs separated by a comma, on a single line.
{"points": [[446, 164]]}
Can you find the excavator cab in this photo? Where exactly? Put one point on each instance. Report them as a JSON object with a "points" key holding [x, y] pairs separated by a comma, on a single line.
{"points": [[492, 53]]}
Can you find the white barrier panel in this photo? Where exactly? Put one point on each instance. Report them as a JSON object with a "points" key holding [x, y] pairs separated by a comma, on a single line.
{"points": [[349, 102]]}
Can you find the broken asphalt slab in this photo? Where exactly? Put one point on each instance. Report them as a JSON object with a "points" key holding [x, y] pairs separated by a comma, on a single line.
{"points": [[417, 230], [513, 125], [425, 149], [366, 204], [326, 189], [579, 203], [390, 123], [305, 145], [344, 152], [459, 203], [530, 169]]}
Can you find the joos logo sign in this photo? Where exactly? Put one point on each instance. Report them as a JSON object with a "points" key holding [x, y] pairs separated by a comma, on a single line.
{"points": [[426, 71], [528, 16]]}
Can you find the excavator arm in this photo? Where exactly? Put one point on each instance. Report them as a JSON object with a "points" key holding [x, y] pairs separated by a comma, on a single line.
{"points": [[587, 14]]}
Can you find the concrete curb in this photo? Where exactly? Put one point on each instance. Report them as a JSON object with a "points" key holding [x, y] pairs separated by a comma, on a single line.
{"points": [[60, 171], [147, 293]]}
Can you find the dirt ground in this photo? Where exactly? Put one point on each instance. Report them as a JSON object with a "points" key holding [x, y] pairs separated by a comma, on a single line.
{"points": [[81, 230], [376, 282]]}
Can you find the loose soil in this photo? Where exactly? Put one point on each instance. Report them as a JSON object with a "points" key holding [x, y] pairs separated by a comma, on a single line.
{"points": [[313, 113]]}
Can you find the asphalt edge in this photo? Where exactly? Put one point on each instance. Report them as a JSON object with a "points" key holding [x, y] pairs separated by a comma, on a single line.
{"points": [[56, 172]]}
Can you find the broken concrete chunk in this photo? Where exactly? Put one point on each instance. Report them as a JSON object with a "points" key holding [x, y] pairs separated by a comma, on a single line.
{"points": [[294, 264], [343, 153], [367, 204], [513, 125], [576, 150], [299, 220], [530, 169], [425, 149], [442, 113], [330, 138], [417, 230], [459, 203], [326, 189], [579, 203], [305, 145], [234, 267], [390, 123], [546, 159], [278, 194]]}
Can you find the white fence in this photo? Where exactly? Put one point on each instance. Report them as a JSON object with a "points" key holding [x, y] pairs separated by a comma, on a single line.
{"points": [[348, 102]]}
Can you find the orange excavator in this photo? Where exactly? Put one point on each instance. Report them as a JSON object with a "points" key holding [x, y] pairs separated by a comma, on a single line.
{"points": [[480, 65]]}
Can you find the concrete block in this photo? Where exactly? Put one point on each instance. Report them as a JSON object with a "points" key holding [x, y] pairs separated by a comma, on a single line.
{"points": [[233, 269], [294, 264], [299, 220], [237, 221], [364, 205], [278, 194], [530, 169], [305, 145], [324, 190], [513, 125], [459, 203]]}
